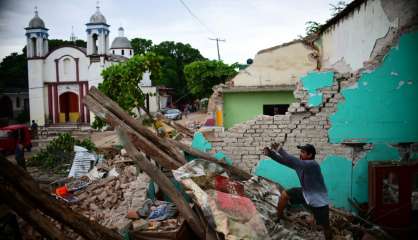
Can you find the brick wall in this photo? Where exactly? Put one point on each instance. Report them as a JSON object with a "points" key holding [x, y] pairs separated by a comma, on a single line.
{"points": [[244, 142]]}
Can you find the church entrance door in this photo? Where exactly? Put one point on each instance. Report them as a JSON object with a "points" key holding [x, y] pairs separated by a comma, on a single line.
{"points": [[6, 110], [69, 112]]}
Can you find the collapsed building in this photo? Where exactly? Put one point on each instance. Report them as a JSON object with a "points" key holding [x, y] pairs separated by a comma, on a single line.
{"points": [[357, 106]]}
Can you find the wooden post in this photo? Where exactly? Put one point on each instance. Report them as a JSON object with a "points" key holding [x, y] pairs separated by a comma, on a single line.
{"points": [[23, 207], [128, 138], [27, 187]]}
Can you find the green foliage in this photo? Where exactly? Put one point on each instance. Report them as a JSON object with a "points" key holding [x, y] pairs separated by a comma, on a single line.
{"points": [[23, 117], [141, 46], [174, 57], [201, 76], [14, 71], [121, 82], [59, 152], [312, 27], [54, 43]]}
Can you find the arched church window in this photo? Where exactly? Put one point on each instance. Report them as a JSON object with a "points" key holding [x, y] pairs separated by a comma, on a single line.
{"points": [[33, 43], [113, 51], [67, 65], [17, 102], [123, 52], [95, 49], [130, 52], [45, 46]]}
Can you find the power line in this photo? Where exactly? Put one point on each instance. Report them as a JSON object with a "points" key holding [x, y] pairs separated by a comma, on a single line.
{"points": [[196, 18]]}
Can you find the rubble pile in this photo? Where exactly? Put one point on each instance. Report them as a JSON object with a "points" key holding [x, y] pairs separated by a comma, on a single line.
{"points": [[107, 200]]}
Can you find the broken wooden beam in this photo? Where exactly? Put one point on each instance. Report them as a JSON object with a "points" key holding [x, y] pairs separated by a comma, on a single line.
{"points": [[234, 171], [128, 139], [18, 202], [144, 144], [115, 109], [180, 128], [26, 186]]}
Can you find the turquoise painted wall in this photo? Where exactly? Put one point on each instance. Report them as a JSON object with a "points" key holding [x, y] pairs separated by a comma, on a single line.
{"points": [[383, 106], [343, 180], [243, 106], [276, 172], [313, 82]]}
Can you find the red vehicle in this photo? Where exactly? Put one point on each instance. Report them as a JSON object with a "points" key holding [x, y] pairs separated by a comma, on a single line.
{"points": [[10, 135]]}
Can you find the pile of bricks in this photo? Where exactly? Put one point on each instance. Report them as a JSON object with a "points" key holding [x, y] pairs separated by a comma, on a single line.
{"points": [[107, 201]]}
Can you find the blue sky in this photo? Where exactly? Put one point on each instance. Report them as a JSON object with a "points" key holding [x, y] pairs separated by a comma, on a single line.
{"points": [[247, 25]]}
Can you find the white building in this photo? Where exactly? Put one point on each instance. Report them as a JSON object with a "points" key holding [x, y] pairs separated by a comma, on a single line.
{"points": [[58, 79]]}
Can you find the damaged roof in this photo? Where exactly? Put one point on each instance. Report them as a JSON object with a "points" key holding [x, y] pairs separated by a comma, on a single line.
{"points": [[355, 4]]}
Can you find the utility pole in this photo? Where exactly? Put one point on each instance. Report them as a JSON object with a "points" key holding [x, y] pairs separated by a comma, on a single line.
{"points": [[217, 45]]}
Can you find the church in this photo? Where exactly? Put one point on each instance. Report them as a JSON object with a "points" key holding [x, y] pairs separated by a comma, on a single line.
{"points": [[59, 78]]}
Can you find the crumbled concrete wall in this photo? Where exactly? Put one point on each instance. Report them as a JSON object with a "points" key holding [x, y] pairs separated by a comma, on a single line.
{"points": [[244, 142], [362, 117]]}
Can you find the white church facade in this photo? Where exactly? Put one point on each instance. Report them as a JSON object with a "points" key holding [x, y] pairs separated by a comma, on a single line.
{"points": [[60, 78]]}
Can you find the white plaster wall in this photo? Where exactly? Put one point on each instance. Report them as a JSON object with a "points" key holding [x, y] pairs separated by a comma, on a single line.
{"points": [[119, 52], [349, 43], [277, 66], [36, 91], [71, 73], [49, 65]]}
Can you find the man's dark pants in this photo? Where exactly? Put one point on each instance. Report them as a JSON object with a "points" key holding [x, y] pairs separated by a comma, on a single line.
{"points": [[321, 214]]}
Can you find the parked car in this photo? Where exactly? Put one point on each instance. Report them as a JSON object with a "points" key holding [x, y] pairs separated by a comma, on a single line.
{"points": [[172, 114], [9, 136]]}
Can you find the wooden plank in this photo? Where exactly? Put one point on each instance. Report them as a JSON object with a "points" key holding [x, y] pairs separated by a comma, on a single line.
{"points": [[129, 140], [115, 109], [23, 207], [234, 171], [146, 146], [25, 185]]}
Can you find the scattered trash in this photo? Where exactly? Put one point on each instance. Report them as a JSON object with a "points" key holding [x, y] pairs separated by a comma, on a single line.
{"points": [[83, 161], [164, 211]]}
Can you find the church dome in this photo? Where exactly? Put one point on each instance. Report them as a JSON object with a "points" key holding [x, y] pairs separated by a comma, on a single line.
{"points": [[121, 41], [97, 17], [36, 22]]}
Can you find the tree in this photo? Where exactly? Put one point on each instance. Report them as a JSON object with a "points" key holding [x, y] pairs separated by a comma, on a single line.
{"points": [[141, 45], [174, 57], [14, 71], [121, 82], [201, 76]]}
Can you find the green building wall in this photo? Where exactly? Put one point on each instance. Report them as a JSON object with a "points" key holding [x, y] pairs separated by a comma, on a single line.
{"points": [[242, 106]]}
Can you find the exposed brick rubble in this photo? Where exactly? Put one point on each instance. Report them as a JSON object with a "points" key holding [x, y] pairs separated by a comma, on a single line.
{"points": [[244, 142], [107, 201]]}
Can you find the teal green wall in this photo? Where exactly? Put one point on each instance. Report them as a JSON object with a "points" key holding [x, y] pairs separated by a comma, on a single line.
{"points": [[313, 82], [276, 172], [343, 180], [383, 106], [243, 106]]}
